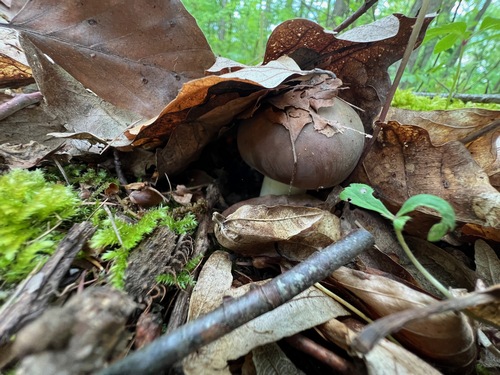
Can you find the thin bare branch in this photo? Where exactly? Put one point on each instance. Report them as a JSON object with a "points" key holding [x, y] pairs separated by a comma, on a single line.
{"points": [[168, 349]]}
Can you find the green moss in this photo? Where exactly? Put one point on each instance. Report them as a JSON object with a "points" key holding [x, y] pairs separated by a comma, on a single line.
{"points": [[184, 278], [30, 210], [118, 249], [406, 99]]}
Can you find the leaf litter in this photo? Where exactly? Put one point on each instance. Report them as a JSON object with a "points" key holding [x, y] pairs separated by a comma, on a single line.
{"points": [[183, 123]]}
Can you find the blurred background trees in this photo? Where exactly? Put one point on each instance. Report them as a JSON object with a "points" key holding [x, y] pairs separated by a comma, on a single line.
{"points": [[461, 53]]}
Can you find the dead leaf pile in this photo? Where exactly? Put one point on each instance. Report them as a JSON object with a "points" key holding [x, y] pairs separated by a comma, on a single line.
{"points": [[131, 76]]}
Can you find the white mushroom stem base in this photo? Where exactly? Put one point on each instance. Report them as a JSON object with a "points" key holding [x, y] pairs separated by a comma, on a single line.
{"points": [[270, 186]]}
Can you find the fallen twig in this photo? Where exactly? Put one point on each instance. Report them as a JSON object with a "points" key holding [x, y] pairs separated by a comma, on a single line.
{"points": [[19, 102], [168, 349], [473, 98]]}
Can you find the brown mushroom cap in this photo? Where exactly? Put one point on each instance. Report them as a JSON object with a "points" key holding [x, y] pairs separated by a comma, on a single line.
{"points": [[322, 161]]}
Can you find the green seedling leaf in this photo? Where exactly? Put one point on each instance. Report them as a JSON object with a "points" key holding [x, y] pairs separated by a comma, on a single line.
{"points": [[446, 43], [438, 204], [362, 195]]}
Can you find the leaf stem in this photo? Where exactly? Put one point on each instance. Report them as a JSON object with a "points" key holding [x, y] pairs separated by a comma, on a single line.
{"points": [[420, 267], [404, 61]]}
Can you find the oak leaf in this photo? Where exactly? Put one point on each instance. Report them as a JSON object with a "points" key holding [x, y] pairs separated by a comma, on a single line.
{"points": [[359, 57]]}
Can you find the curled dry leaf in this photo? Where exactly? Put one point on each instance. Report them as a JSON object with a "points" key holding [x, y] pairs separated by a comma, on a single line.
{"points": [[14, 74], [446, 339], [290, 231], [403, 162], [386, 355], [150, 48], [477, 128], [359, 57]]}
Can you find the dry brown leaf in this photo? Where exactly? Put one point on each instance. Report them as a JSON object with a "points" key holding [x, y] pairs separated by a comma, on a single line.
{"points": [[475, 231], [217, 279], [488, 313], [294, 232], [306, 310], [384, 356], [403, 162], [446, 338], [133, 55], [25, 155], [271, 360], [447, 268], [359, 57], [487, 263], [84, 115], [14, 74], [461, 125]]}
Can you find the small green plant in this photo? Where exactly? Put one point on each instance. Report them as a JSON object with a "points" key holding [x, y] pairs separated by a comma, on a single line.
{"points": [[31, 209], [362, 195], [96, 179], [123, 237], [184, 278]]}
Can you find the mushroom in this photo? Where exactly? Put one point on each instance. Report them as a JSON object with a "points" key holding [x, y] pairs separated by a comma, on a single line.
{"points": [[299, 149]]}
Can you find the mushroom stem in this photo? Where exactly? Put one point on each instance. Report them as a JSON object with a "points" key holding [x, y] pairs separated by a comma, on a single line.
{"points": [[270, 186]]}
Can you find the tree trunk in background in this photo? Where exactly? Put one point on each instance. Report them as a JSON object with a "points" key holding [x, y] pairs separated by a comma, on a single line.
{"points": [[221, 32], [340, 8]]}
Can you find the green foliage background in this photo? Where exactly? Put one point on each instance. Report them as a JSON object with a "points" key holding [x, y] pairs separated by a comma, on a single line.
{"points": [[239, 30]]}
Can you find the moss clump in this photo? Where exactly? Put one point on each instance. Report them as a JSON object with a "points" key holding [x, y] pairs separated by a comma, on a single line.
{"points": [[30, 210], [406, 99]]}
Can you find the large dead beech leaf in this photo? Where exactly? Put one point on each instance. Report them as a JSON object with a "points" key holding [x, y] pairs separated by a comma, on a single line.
{"points": [[403, 162], [359, 57], [85, 116], [384, 358], [306, 310], [290, 231], [477, 128], [133, 55], [446, 339]]}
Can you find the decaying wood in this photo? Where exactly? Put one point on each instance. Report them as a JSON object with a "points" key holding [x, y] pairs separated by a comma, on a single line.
{"points": [[32, 296], [201, 244], [77, 338], [150, 259], [168, 349]]}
